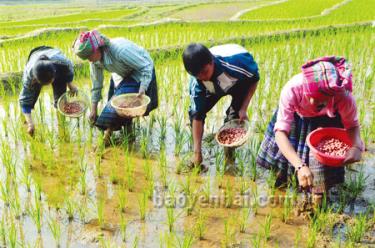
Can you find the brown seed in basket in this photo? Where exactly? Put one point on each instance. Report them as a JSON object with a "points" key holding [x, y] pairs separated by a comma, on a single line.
{"points": [[231, 135], [72, 107], [130, 103]]}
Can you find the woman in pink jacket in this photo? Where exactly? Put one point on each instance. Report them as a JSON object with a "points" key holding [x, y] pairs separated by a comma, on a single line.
{"points": [[319, 96]]}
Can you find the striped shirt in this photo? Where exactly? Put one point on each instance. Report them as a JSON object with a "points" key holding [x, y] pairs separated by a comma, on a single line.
{"points": [[233, 65], [124, 59]]}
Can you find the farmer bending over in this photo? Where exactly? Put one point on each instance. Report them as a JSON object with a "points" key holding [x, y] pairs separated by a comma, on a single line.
{"points": [[132, 72], [222, 70], [45, 65], [320, 96]]}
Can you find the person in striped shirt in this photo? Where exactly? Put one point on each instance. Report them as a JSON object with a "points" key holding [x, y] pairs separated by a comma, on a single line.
{"points": [[217, 72], [132, 71]]}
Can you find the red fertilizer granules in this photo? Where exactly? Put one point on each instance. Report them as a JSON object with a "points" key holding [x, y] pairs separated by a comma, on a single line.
{"points": [[231, 135], [333, 147]]}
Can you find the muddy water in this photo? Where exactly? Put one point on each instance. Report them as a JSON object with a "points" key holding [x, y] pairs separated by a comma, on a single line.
{"points": [[66, 168]]}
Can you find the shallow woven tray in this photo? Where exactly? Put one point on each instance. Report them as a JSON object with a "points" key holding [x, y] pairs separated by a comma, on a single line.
{"points": [[130, 111], [233, 124], [79, 96]]}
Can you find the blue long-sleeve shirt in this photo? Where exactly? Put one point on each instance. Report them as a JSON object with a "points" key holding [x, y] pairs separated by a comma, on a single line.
{"points": [[125, 59], [30, 88], [233, 65]]}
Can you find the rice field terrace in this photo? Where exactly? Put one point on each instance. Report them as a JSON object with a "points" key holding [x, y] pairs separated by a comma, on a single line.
{"points": [[65, 188]]}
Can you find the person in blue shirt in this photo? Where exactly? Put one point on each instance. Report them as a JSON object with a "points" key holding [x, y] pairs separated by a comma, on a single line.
{"points": [[222, 70], [45, 65], [132, 71]]}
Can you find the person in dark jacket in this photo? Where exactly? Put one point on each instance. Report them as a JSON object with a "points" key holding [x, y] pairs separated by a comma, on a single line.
{"points": [[222, 70], [45, 65]]}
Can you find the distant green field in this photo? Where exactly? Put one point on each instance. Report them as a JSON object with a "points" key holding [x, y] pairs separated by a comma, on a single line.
{"points": [[290, 9], [215, 11]]}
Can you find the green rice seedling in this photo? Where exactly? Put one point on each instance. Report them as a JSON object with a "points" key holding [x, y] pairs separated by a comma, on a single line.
{"points": [[150, 186], [287, 207], [54, 227], [123, 226], [36, 213], [113, 177], [311, 238], [144, 143], [130, 177], [185, 184], [26, 177], [253, 169], [70, 206], [100, 211], [219, 159], [355, 185], [180, 166], [267, 227], [179, 135], [142, 202], [135, 242], [244, 219], [5, 192], [297, 240], [98, 165], [162, 121], [200, 225], [293, 187], [38, 189], [171, 218], [147, 168], [241, 169], [255, 203], [15, 204], [122, 200], [356, 231], [82, 182], [167, 240], [343, 200], [163, 176], [229, 195], [12, 235], [207, 190], [271, 182], [256, 240], [3, 231], [82, 211], [186, 241], [229, 233], [244, 185], [152, 120]]}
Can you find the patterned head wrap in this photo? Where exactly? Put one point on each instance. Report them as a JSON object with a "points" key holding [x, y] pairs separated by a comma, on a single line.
{"points": [[327, 76], [88, 42]]}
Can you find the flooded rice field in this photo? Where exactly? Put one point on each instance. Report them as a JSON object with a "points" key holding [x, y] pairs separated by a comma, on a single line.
{"points": [[65, 188]]}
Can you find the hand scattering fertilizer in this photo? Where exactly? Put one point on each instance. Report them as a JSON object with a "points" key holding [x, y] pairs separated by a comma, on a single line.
{"points": [[333, 147], [231, 135]]}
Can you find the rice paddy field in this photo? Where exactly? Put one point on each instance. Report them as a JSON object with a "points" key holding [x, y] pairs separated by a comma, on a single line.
{"points": [[64, 188]]}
